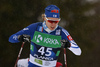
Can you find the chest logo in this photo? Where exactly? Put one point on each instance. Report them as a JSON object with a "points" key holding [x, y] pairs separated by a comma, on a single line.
{"points": [[46, 40], [38, 38]]}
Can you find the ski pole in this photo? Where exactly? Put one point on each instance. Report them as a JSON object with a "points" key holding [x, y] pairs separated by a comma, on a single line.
{"points": [[63, 42], [19, 54], [65, 57]]}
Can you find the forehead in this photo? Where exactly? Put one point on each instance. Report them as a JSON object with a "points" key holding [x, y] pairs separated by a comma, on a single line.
{"points": [[53, 18]]}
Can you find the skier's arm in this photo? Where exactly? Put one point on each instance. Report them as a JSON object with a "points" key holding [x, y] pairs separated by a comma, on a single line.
{"points": [[27, 31], [73, 46]]}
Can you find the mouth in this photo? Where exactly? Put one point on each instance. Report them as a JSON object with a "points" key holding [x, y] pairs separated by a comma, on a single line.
{"points": [[52, 27]]}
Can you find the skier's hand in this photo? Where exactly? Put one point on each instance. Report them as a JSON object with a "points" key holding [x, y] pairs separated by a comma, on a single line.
{"points": [[24, 38], [65, 43]]}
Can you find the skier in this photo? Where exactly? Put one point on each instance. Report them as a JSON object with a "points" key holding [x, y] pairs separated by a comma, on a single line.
{"points": [[46, 39]]}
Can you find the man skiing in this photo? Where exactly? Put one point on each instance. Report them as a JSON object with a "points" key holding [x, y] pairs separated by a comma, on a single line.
{"points": [[46, 39]]}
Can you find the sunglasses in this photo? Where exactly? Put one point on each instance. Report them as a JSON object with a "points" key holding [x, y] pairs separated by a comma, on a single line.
{"points": [[52, 21]]}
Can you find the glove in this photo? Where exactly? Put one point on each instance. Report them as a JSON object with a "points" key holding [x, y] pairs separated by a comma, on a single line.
{"points": [[65, 43], [24, 38]]}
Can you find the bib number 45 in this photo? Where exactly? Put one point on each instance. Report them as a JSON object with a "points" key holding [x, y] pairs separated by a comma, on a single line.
{"points": [[47, 52]]}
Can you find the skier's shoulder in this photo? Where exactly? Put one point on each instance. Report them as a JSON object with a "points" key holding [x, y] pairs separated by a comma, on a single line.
{"points": [[35, 24], [64, 31]]}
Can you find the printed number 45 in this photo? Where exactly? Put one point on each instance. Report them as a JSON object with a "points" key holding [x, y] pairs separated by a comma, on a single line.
{"points": [[48, 50]]}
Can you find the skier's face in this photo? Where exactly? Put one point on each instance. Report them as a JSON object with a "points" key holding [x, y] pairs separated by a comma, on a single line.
{"points": [[52, 22]]}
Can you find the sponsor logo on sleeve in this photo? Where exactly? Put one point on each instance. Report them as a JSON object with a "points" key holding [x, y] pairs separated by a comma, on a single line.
{"points": [[15, 37], [69, 37], [26, 29]]}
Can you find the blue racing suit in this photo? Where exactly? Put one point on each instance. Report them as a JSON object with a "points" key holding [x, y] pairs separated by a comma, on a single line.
{"points": [[45, 46]]}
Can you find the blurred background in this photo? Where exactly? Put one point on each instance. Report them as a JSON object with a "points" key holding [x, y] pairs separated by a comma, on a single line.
{"points": [[81, 18]]}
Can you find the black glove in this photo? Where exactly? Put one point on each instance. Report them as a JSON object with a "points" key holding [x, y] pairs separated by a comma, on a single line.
{"points": [[24, 38], [65, 43]]}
